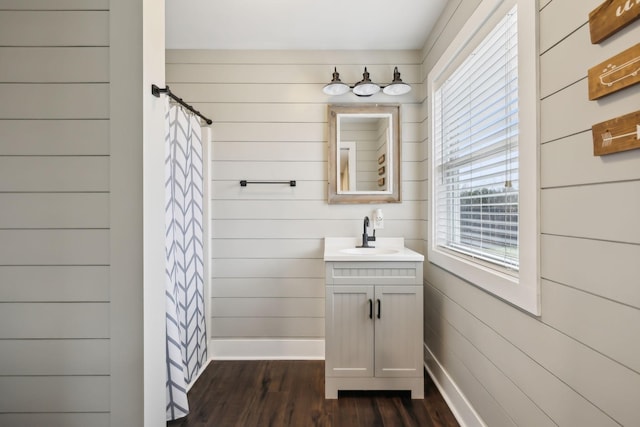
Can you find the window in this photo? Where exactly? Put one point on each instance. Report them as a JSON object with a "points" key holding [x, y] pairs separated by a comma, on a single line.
{"points": [[483, 153]]}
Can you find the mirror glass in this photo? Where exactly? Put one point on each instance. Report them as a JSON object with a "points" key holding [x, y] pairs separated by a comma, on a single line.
{"points": [[364, 154]]}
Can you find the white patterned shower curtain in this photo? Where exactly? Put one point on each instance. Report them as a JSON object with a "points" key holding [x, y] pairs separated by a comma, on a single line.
{"points": [[186, 336]]}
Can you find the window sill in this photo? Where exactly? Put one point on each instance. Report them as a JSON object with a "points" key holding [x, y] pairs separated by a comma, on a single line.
{"points": [[521, 290]]}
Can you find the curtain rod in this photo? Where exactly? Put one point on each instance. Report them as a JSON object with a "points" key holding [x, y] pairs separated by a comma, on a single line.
{"points": [[156, 91]]}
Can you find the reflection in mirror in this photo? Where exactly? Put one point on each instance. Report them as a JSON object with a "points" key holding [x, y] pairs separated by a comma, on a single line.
{"points": [[363, 144], [364, 154]]}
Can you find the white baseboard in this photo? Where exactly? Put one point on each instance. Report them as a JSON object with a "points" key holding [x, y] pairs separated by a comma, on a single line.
{"points": [[266, 349], [458, 403], [200, 372]]}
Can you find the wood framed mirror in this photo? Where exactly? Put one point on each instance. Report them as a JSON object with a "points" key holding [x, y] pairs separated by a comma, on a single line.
{"points": [[364, 153]]}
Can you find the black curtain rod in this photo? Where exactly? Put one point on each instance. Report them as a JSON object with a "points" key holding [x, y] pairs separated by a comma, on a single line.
{"points": [[156, 91]]}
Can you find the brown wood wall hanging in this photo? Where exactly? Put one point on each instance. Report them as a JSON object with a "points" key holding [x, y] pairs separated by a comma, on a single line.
{"points": [[619, 134], [615, 73], [612, 16]]}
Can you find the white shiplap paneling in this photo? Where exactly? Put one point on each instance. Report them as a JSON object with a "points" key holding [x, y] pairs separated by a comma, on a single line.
{"points": [[54, 173], [277, 268], [56, 419], [64, 210], [270, 132], [42, 28], [64, 64], [586, 264], [278, 170], [54, 137], [76, 101], [273, 73], [293, 57], [560, 18], [575, 211], [597, 322], [292, 229], [274, 151], [584, 55], [54, 283], [487, 407], [54, 213], [552, 395], [54, 320], [267, 327], [54, 247], [578, 362], [563, 356], [306, 209], [277, 92], [55, 357], [268, 307], [266, 287], [495, 383], [55, 394], [570, 161], [54, 5], [562, 116]]}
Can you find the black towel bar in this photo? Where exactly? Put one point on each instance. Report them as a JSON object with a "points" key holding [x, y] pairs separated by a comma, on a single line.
{"points": [[244, 182]]}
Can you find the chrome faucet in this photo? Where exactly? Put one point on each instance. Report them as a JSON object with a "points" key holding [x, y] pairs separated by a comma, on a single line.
{"points": [[365, 237]]}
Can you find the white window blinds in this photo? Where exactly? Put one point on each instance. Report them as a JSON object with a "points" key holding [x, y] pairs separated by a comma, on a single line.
{"points": [[475, 137]]}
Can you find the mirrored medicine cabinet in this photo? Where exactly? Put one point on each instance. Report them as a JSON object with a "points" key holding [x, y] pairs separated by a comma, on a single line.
{"points": [[364, 153]]}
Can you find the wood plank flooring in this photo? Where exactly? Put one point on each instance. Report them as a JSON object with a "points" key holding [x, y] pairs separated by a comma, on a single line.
{"points": [[291, 393]]}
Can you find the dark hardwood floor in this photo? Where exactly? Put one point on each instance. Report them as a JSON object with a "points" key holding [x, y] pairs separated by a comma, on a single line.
{"points": [[291, 393]]}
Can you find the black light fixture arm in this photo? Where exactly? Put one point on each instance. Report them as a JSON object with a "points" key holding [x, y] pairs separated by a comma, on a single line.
{"points": [[156, 91]]}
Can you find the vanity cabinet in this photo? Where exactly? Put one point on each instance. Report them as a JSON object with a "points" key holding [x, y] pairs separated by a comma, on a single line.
{"points": [[373, 327]]}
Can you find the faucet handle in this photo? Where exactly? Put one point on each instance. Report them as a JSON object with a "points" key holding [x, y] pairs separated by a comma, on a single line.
{"points": [[372, 238]]}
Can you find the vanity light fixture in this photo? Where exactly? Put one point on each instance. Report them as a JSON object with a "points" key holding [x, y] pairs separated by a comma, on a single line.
{"points": [[366, 87]]}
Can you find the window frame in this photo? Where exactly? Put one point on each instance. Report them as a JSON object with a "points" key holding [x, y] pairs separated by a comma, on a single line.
{"points": [[523, 288]]}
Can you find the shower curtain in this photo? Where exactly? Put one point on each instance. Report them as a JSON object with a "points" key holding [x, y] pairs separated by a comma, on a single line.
{"points": [[186, 345]]}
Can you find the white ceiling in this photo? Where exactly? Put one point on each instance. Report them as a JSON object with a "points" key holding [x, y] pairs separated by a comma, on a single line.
{"points": [[300, 24]]}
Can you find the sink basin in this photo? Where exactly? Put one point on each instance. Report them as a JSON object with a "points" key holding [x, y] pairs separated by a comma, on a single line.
{"points": [[369, 251], [386, 249]]}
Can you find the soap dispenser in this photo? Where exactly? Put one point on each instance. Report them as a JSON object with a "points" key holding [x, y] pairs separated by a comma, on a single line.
{"points": [[378, 219]]}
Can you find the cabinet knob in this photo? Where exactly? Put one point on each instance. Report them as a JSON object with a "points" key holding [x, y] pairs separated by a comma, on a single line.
{"points": [[379, 308]]}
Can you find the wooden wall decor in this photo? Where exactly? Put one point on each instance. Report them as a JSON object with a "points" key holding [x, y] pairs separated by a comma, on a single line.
{"points": [[615, 73], [612, 16], [619, 134]]}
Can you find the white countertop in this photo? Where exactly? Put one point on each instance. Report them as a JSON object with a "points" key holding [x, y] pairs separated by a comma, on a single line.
{"points": [[385, 249]]}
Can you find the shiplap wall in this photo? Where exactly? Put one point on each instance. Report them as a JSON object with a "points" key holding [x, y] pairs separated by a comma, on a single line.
{"points": [[579, 363], [54, 213], [270, 123]]}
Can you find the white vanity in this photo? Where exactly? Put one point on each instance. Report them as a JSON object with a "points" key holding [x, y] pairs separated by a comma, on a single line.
{"points": [[373, 317]]}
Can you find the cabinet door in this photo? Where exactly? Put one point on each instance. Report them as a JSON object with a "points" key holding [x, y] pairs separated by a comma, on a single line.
{"points": [[349, 331], [398, 331]]}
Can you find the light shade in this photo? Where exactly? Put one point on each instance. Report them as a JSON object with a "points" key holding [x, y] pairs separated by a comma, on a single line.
{"points": [[365, 87], [397, 86], [336, 87]]}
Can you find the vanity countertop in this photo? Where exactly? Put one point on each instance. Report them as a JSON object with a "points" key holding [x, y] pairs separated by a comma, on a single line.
{"points": [[385, 249]]}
